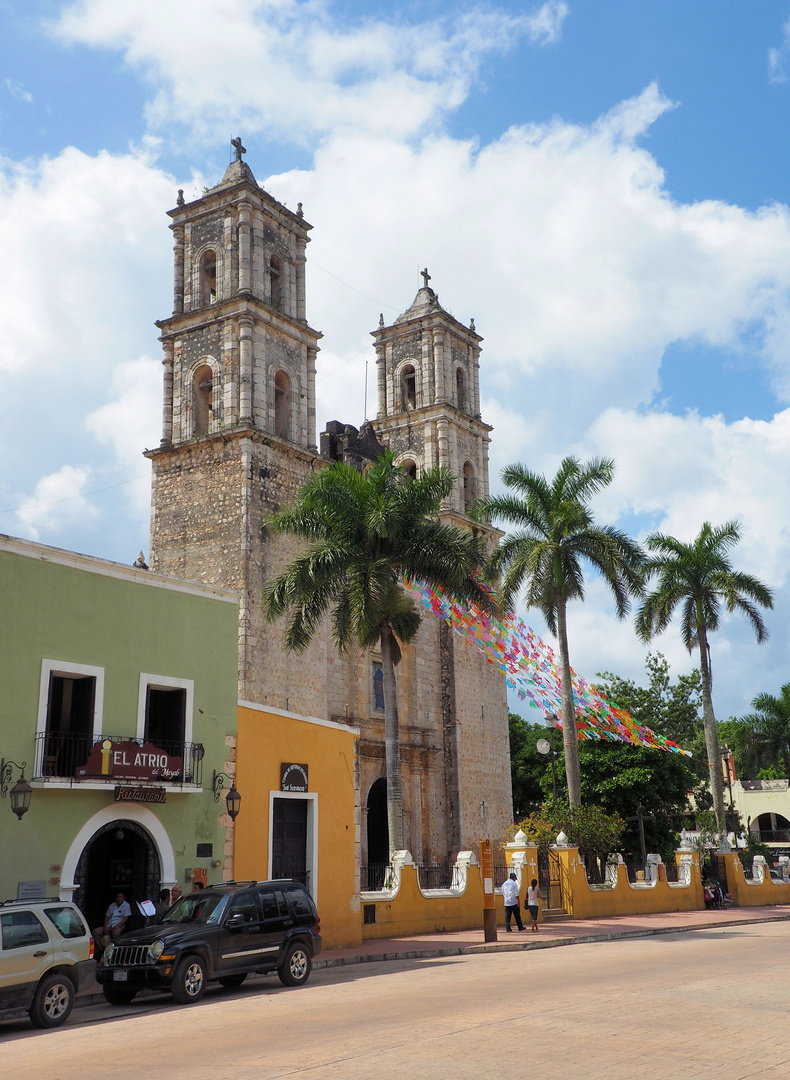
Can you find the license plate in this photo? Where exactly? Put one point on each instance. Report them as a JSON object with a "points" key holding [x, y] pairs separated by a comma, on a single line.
{"points": [[120, 975]]}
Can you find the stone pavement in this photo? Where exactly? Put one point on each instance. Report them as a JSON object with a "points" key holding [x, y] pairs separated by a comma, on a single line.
{"points": [[552, 934]]}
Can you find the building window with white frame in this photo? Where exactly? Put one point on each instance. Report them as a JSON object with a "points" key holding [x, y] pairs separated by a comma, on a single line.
{"points": [[69, 721]]}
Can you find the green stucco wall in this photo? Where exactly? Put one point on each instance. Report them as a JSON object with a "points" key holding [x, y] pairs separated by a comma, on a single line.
{"points": [[121, 620]]}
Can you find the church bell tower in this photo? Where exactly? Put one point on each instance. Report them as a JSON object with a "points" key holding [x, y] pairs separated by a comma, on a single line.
{"points": [[238, 424]]}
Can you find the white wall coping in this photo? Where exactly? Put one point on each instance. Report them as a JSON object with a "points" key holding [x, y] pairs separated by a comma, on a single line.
{"points": [[298, 716], [105, 568]]}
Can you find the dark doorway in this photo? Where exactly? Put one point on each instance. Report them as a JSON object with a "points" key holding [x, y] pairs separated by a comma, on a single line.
{"points": [[289, 840], [123, 856], [378, 836]]}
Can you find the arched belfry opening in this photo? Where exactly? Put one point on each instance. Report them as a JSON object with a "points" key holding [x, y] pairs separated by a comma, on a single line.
{"points": [[282, 405], [470, 492], [408, 384], [208, 278], [202, 400], [460, 389], [410, 468]]}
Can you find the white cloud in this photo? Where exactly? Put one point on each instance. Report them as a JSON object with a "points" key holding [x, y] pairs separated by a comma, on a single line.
{"points": [[545, 26], [777, 57], [18, 91], [85, 233], [58, 501], [288, 67]]}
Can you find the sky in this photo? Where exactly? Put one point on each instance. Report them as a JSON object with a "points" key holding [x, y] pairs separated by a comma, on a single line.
{"points": [[603, 187]]}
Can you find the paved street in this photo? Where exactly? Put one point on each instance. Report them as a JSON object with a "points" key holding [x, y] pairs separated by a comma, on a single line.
{"points": [[711, 1003]]}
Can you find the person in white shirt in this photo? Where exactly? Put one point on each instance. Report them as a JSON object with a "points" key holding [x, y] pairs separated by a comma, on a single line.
{"points": [[115, 919], [533, 900], [512, 903]]}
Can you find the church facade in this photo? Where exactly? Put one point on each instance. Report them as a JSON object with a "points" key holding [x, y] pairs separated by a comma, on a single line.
{"points": [[239, 439]]}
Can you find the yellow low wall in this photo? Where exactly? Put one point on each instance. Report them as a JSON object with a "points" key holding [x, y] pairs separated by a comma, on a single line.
{"points": [[584, 901], [753, 894], [409, 911]]}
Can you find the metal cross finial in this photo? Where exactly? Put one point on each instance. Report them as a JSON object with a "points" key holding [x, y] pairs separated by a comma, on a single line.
{"points": [[426, 277], [236, 143]]}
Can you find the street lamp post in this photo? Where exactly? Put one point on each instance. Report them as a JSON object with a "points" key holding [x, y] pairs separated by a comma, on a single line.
{"points": [[544, 747]]}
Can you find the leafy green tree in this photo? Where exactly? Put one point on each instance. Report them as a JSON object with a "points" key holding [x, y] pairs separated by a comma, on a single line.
{"points": [[528, 768], [555, 534], [699, 577], [670, 708], [595, 832], [365, 532]]}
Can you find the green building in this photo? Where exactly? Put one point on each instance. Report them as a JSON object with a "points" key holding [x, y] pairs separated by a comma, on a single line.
{"points": [[119, 691]]}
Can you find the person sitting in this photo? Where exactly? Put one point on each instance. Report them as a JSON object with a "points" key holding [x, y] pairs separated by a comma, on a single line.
{"points": [[115, 919], [164, 903]]}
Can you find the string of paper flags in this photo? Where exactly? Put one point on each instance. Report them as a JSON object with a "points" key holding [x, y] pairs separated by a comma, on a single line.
{"points": [[532, 670]]}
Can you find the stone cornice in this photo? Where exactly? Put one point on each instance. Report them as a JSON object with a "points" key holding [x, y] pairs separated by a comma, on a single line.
{"points": [[239, 305], [236, 434], [443, 410], [219, 198]]}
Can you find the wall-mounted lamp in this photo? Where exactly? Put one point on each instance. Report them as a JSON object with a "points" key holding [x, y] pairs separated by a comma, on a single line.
{"points": [[232, 799], [20, 792]]}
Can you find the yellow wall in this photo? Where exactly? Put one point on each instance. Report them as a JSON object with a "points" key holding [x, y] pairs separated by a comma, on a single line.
{"points": [[267, 739], [584, 902], [747, 894], [409, 912]]}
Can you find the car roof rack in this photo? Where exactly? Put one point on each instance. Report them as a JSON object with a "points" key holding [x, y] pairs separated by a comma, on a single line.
{"points": [[35, 900]]}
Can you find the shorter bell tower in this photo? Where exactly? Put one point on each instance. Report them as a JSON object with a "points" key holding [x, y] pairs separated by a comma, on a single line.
{"points": [[428, 380]]}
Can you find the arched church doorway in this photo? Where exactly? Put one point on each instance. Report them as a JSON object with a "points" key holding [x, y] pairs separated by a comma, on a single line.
{"points": [[120, 855], [378, 835]]}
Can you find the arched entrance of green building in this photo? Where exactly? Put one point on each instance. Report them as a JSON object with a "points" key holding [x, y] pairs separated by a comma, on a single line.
{"points": [[125, 848], [120, 857]]}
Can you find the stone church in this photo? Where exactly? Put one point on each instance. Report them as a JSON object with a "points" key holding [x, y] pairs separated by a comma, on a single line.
{"points": [[238, 440]]}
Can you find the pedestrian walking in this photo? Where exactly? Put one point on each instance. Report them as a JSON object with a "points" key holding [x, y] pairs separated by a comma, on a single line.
{"points": [[533, 901], [512, 904]]}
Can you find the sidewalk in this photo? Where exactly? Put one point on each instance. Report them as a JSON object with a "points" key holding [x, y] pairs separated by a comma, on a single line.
{"points": [[552, 934]]}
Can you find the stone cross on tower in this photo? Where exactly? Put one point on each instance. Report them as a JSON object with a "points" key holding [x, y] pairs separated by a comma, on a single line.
{"points": [[426, 277], [236, 143]]}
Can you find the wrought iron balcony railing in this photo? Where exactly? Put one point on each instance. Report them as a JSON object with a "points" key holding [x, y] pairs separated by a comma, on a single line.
{"points": [[116, 759]]}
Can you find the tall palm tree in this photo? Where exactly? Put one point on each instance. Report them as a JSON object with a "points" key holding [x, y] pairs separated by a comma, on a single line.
{"points": [[554, 535], [366, 532], [699, 576]]}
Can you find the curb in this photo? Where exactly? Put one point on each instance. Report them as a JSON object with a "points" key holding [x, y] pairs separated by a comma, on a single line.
{"points": [[86, 1000], [526, 946]]}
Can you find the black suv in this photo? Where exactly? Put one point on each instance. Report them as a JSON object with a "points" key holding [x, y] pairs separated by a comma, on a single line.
{"points": [[222, 933]]}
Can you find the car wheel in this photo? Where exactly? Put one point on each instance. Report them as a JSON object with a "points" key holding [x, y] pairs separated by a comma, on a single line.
{"points": [[189, 980], [231, 981], [52, 1001], [296, 966], [119, 995]]}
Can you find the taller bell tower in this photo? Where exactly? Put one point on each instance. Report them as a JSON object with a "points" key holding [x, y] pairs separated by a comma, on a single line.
{"points": [[238, 424]]}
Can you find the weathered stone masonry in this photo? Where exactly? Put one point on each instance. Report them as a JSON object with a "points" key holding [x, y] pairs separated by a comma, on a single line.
{"points": [[238, 440]]}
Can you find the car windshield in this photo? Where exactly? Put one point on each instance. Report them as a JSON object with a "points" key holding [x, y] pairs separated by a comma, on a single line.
{"points": [[197, 908]]}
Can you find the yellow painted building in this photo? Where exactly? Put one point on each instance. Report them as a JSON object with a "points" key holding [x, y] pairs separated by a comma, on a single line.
{"points": [[297, 776]]}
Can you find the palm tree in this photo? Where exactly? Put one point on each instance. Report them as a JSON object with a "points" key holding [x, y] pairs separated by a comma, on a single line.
{"points": [[764, 735], [366, 532], [700, 577], [554, 534]]}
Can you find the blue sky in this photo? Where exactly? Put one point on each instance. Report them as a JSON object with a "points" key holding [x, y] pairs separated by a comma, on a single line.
{"points": [[604, 187]]}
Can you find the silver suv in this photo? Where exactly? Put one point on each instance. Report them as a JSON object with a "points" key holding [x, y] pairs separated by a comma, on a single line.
{"points": [[46, 959]]}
